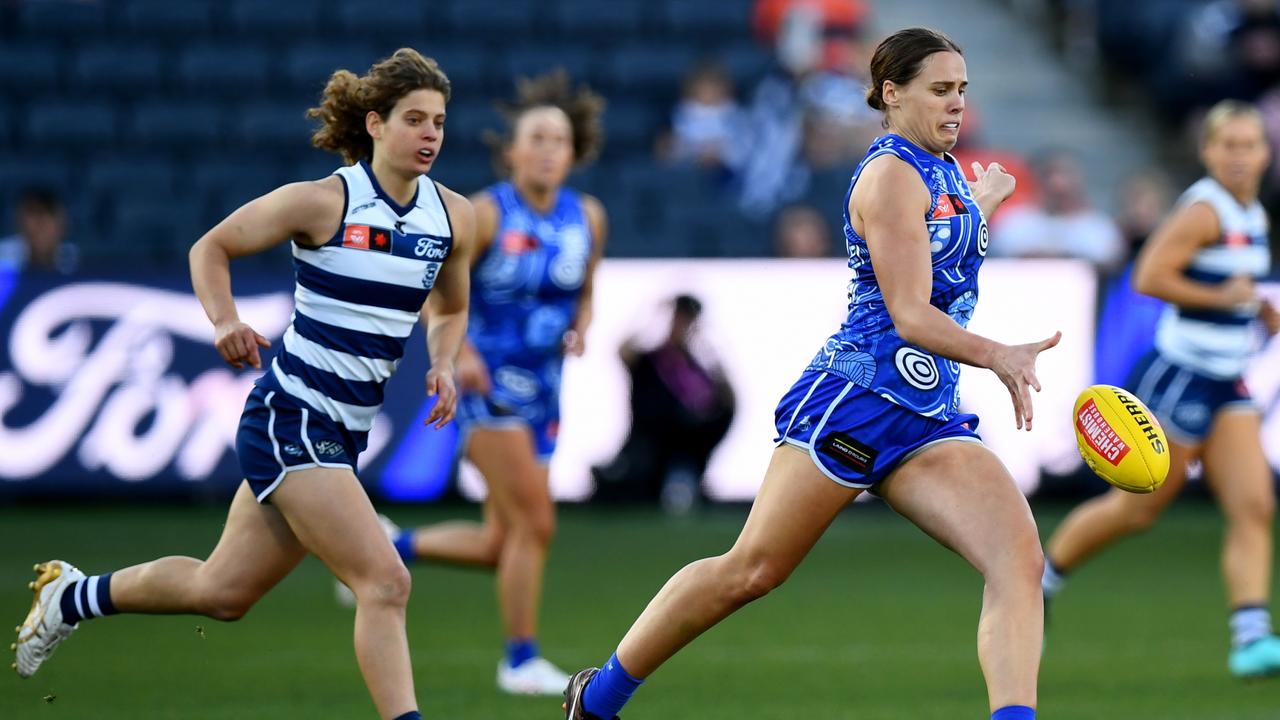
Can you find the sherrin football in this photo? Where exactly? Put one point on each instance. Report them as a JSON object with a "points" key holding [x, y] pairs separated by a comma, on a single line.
{"points": [[1120, 439]]}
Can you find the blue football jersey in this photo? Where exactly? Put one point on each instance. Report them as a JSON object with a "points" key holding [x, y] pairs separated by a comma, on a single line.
{"points": [[524, 293], [867, 350]]}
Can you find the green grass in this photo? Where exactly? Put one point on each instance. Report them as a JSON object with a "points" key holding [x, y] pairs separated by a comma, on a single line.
{"points": [[878, 624]]}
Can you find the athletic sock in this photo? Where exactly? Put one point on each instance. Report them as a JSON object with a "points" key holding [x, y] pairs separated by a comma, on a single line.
{"points": [[1053, 579], [1249, 623], [411, 715], [609, 690], [1014, 712], [404, 545], [87, 598], [520, 651]]}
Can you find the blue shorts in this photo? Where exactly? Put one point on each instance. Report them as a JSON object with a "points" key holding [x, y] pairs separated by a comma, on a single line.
{"points": [[854, 436], [279, 434], [541, 416], [1184, 401]]}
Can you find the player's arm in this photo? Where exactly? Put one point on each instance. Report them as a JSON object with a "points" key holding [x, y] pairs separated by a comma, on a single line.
{"points": [[892, 202], [308, 212], [1159, 270], [575, 338], [471, 372], [446, 309], [991, 187]]}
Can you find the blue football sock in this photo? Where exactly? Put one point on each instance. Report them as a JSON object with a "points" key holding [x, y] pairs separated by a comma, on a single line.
{"points": [[404, 545], [411, 715], [1014, 712], [87, 598], [520, 651], [609, 690], [1249, 623]]}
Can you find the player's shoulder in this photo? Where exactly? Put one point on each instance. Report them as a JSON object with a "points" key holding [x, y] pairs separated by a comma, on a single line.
{"points": [[460, 208], [890, 177], [309, 195], [592, 207]]}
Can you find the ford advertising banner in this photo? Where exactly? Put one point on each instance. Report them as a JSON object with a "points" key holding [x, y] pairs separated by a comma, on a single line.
{"points": [[111, 386]]}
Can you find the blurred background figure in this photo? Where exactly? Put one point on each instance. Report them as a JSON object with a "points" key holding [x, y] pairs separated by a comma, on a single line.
{"points": [[39, 243], [708, 126], [1065, 224], [681, 407], [800, 231]]}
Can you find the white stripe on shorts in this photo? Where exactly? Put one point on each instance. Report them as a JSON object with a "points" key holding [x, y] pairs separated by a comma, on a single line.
{"points": [[805, 399]]}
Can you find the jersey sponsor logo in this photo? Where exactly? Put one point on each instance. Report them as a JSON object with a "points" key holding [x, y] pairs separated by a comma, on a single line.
{"points": [[366, 237], [856, 456], [917, 368], [516, 242], [948, 205], [1100, 436], [431, 248]]}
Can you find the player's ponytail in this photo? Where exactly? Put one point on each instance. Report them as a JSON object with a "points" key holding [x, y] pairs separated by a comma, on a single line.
{"points": [[899, 57], [348, 99]]}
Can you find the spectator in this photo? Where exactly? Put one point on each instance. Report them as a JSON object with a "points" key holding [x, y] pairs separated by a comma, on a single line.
{"points": [[800, 231], [39, 243], [681, 407], [708, 125], [839, 125], [1145, 198], [1234, 46], [1064, 224]]}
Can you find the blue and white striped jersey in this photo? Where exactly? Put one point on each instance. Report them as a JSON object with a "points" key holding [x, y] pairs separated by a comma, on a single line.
{"points": [[358, 298], [1218, 343]]}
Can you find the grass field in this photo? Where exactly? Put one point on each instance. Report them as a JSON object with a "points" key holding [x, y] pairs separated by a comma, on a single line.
{"points": [[878, 624]]}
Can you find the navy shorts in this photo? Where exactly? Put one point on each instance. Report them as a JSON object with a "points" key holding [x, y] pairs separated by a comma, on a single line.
{"points": [[541, 416], [279, 434], [854, 436], [1184, 401]]}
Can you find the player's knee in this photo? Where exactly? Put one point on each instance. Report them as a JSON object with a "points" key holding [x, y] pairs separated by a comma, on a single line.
{"points": [[1143, 517], [537, 525], [389, 585], [758, 578], [1259, 511]]}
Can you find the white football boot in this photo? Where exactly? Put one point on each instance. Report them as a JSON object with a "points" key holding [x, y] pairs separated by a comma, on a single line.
{"points": [[343, 594], [535, 676], [44, 629]]}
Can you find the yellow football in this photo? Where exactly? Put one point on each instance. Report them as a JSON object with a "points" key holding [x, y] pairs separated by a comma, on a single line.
{"points": [[1120, 439]]}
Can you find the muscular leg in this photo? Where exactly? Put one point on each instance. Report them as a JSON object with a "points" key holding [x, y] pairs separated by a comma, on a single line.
{"points": [[461, 542], [333, 518], [961, 495], [1102, 520], [1237, 471], [795, 505], [256, 550]]}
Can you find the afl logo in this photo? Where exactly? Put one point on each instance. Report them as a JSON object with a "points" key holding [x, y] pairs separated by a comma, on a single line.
{"points": [[984, 237], [919, 369]]}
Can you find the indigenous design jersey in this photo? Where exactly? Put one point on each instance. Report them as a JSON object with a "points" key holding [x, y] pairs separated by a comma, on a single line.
{"points": [[1211, 341], [524, 293], [866, 350], [358, 297]]}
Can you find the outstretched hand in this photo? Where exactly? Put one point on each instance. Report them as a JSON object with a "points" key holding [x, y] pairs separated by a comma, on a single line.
{"points": [[1015, 365], [440, 386]]}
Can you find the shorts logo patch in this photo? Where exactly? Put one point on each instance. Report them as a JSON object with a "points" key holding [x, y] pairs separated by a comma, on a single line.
{"points": [[854, 455], [328, 448], [292, 449]]}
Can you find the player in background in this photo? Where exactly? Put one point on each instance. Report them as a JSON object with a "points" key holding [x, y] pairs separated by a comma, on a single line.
{"points": [[370, 243], [878, 407], [537, 246], [1204, 262]]}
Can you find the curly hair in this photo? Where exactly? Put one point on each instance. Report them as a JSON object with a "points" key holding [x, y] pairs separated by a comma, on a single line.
{"points": [[348, 98], [582, 106]]}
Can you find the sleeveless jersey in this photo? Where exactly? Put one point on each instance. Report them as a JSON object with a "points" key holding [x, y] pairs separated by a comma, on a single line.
{"points": [[524, 293], [1218, 342], [866, 350], [358, 298]]}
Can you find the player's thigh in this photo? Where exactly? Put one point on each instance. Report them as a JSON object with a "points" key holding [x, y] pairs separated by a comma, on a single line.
{"points": [[256, 550], [332, 517], [517, 482], [793, 508], [1236, 468], [960, 494]]}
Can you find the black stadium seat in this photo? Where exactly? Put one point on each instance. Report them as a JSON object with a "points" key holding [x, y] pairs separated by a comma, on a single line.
{"points": [[127, 70], [83, 124], [176, 124], [233, 70], [28, 66]]}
